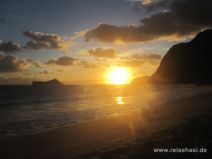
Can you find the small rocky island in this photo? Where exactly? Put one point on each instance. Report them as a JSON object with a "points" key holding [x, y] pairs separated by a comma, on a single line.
{"points": [[53, 82]]}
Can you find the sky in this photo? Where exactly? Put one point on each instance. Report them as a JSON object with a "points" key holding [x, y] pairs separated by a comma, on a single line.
{"points": [[77, 41]]}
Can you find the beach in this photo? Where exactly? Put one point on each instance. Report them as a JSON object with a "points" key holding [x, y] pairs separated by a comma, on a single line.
{"points": [[177, 123]]}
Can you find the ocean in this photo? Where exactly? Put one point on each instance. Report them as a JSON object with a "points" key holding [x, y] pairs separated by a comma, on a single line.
{"points": [[26, 110]]}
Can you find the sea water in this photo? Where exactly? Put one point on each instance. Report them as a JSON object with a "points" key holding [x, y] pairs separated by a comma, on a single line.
{"points": [[26, 110]]}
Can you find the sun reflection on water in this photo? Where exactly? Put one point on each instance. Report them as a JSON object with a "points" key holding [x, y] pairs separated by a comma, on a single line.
{"points": [[120, 100]]}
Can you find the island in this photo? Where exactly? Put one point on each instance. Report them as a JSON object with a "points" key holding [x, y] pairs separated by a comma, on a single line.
{"points": [[53, 82]]}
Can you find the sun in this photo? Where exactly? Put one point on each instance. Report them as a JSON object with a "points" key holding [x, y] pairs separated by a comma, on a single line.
{"points": [[118, 75]]}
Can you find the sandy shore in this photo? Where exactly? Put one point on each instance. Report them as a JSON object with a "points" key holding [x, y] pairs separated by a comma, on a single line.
{"points": [[184, 122]]}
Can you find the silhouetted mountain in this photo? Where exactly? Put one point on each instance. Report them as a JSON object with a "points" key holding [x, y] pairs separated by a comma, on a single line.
{"points": [[53, 82], [189, 62]]}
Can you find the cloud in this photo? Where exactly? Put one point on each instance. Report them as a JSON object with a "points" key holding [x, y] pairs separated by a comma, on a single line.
{"points": [[181, 18], [138, 60], [44, 72], [131, 63], [157, 4], [62, 61], [10, 47], [41, 41], [101, 52], [34, 63], [46, 41], [144, 2], [147, 56], [70, 61], [87, 64], [10, 63], [150, 6]]}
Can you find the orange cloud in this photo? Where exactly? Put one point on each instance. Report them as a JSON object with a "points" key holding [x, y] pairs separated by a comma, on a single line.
{"points": [[138, 60], [87, 64], [102, 52]]}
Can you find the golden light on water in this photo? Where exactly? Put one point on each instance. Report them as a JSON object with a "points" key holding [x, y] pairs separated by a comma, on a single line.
{"points": [[118, 75], [120, 100]]}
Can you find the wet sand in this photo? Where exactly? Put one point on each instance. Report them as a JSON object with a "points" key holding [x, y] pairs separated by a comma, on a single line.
{"points": [[184, 122]]}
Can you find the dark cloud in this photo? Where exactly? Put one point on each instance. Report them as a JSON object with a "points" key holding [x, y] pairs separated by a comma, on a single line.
{"points": [[181, 18], [70, 61], [9, 47], [46, 41], [62, 61], [39, 41], [10, 63], [101, 52], [37, 45]]}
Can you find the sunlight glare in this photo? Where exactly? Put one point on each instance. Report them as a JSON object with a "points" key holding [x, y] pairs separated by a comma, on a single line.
{"points": [[118, 75], [120, 100]]}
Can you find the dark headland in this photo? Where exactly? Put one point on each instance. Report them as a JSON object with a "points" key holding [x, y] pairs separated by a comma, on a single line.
{"points": [[189, 62], [53, 82]]}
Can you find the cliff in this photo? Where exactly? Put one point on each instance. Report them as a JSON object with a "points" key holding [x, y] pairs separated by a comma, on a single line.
{"points": [[189, 62]]}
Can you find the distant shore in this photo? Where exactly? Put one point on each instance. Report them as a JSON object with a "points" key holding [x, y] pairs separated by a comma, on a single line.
{"points": [[184, 122]]}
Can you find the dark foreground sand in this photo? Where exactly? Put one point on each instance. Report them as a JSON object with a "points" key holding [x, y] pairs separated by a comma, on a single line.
{"points": [[181, 123]]}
